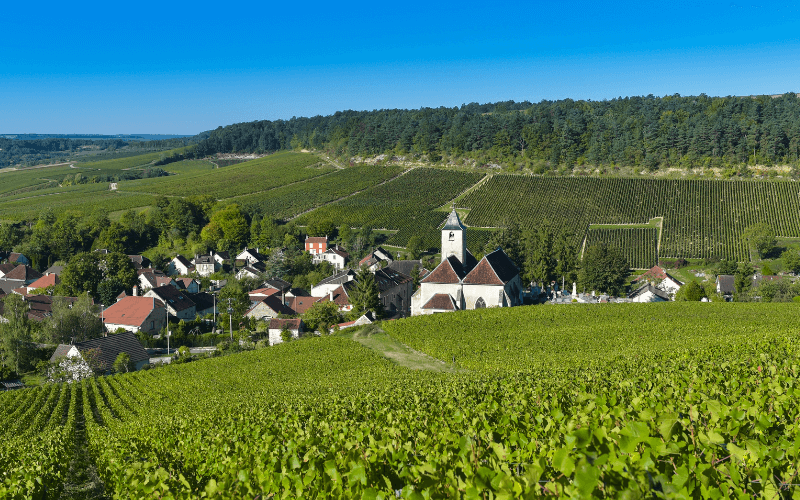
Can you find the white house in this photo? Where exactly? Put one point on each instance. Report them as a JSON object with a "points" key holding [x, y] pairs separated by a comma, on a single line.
{"points": [[250, 256], [648, 293], [134, 314], [331, 283], [178, 305], [335, 255], [661, 279], [180, 266], [492, 282], [375, 259], [276, 326], [107, 349], [205, 265]]}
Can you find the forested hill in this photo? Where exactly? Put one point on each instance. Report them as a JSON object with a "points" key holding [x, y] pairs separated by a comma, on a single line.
{"points": [[652, 132]]}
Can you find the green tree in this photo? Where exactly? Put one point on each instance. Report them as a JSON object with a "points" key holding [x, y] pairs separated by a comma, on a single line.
{"points": [[604, 269], [414, 246], [321, 227], [727, 267], [322, 316], [539, 265], [365, 296], [82, 274], [233, 223], [691, 292], [15, 332], [742, 277], [791, 259], [123, 363], [761, 237], [72, 322]]}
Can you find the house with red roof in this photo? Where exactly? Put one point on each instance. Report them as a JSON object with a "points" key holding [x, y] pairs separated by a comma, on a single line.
{"points": [[134, 314], [460, 282], [44, 282], [316, 244]]}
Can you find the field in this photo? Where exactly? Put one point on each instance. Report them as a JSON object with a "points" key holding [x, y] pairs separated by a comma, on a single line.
{"points": [[640, 245], [701, 218], [409, 203], [676, 400]]}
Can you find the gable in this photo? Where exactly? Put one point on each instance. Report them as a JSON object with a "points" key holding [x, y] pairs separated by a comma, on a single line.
{"points": [[483, 274], [445, 272]]}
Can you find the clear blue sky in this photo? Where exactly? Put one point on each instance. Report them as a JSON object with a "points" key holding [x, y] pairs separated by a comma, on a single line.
{"points": [[182, 68]]}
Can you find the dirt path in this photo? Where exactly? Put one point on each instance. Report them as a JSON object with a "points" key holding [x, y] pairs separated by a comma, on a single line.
{"points": [[372, 337]]}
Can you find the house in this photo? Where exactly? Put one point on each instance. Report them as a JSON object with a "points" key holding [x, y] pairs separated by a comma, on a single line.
{"points": [[726, 285], [278, 283], [300, 304], [221, 258], [365, 319], [262, 293], [180, 266], [341, 297], [108, 349], [649, 293], [204, 303], [23, 274], [335, 255], [407, 267], [134, 314], [268, 308], [661, 279], [49, 280], [250, 256], [57, 270], [189, 285], [316, 245], [6, 268], [492, 282], [375, 259], [333, 282], [276, 326], [40, 307], [253, 271], [15, 258], [394, 291], [152, 278], [140, 261], [205, 265], [178, 305]]}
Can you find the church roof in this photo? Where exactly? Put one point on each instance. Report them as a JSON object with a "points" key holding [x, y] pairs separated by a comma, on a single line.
{"points": [[449, 271], [453, 222], [493, 269], [440, 301]]}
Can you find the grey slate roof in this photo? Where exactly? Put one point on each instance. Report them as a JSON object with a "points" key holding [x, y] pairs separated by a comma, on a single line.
{"points": [[502, 265], [389, 278], [173, 297], [112, 345], [338, 278], [453, 222], [649, 288], [727, 284]]}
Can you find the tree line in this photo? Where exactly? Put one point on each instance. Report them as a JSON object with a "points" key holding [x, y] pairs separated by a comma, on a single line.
{"points": [[647, 131]]}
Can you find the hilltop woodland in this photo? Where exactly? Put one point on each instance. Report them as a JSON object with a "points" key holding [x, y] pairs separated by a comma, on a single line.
{"points": [[649, 132]]}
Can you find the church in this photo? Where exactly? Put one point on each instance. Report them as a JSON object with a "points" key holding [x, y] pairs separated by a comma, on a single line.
{"points": [[461, 282]]}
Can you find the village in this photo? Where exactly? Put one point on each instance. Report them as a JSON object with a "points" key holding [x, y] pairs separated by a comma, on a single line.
{"points": [[140, 323]]}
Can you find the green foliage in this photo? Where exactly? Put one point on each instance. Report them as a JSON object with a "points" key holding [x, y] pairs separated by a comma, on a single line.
{"points": [[761, 237], [322, 316], [365, 296], [603, 269], [691, 292], [791, 260], [123, 363]]}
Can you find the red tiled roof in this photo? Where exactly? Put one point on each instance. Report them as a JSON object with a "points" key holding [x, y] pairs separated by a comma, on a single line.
{"points": [[7, 267], [132, 311], [340, 297], [317, 239], [483, 274], [494, 268], [441, 301], [263, 292], [45, 281], [444, 273], [301, 304]]}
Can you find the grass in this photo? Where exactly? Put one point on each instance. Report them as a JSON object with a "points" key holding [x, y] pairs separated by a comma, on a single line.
{"points": [[373, 337]]}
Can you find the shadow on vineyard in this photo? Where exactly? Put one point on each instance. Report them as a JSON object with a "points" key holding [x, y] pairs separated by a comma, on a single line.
{"points": [[373, 337], [81, 481]]}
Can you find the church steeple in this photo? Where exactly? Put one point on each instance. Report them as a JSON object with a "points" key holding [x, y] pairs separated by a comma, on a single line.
{"points": [[454, 237]]}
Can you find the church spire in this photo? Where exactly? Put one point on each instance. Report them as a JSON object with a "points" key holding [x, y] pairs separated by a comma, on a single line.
{"points": [[453, 221]]}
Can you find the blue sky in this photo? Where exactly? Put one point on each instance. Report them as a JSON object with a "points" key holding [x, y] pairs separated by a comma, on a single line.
{"points": [[182, 68]]}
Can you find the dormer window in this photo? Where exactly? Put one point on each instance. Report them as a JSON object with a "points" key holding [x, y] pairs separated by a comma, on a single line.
{"points": [[452, 236]]}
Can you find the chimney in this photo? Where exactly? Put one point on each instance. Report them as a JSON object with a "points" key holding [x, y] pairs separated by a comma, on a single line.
{"points": [[330, 295], [135, 291]]}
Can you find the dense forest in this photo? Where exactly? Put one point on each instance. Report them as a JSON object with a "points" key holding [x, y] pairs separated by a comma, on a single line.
{"points": [[652, 132]]}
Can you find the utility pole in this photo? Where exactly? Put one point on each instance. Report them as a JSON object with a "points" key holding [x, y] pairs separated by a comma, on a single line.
{"points": [[230, 317], [166, 328]]}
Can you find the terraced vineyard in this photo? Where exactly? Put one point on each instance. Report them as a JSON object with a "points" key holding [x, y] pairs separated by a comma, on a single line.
{"points": [[701, 218], [408, 203], [677, 400], [640, 245]]}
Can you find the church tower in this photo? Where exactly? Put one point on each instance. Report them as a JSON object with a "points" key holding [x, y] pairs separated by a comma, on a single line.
{"points": [[454, 238]]}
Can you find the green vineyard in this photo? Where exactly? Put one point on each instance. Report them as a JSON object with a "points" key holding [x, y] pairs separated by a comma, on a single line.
{"points": [[407, 204], [701, 218], [639, 245], [659, 400]]}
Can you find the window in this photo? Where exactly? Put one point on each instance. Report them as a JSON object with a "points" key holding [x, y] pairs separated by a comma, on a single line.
{"points": [[452, 236], [480, 304]]}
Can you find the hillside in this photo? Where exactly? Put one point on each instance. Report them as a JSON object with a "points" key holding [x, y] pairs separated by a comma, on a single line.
{"points": [[531, 413]]}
